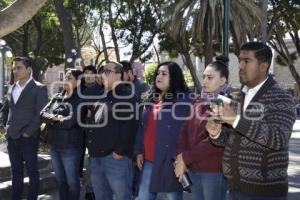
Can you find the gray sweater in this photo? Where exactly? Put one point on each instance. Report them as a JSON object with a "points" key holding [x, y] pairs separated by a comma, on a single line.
{"points": [[256, 158]]}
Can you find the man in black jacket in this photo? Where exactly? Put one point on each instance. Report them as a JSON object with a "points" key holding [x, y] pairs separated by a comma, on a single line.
{"points": [[110, 141]]}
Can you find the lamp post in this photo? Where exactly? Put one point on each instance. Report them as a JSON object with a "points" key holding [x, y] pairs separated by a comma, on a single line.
{"points": [[225, 46], [4, 51]]}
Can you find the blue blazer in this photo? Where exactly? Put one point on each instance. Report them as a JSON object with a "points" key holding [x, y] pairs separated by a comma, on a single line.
{"points": [[163, 178]]}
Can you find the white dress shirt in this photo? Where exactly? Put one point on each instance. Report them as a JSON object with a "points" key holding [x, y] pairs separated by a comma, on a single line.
{"points": [[17, 90], [249, 95]]}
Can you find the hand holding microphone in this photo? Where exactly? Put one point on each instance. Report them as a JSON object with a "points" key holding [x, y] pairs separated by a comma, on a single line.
{"points": [[221, 110]]}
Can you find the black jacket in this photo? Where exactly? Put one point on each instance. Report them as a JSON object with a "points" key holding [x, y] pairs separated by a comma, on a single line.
{"points": [[111, 131], [65, 134]]}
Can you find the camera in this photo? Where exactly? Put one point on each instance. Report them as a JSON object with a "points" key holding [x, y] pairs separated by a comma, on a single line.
{"points": [[219, 101]]}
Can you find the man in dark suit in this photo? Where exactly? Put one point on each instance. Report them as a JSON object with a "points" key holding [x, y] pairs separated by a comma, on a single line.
{"points": [[21, 117]]}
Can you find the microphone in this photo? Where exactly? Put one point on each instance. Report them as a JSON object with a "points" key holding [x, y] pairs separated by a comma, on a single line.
{"points": [[219, 101]]}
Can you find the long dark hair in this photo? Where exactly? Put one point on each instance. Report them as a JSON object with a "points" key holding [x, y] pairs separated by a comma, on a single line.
{"points": [[177, 83], [77, 75]]}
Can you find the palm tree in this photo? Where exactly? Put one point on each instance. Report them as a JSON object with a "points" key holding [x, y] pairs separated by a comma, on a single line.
{"points": [[204, 20], [18, 14]]}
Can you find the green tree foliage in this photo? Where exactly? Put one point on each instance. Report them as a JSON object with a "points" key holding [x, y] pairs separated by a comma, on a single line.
{"points": [[149, 73], [195, 27], [42, 37], [132, 23], [284, 18], [39, 38]]}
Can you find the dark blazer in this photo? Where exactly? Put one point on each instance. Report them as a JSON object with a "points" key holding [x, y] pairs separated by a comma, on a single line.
{"points": [[163, 178], [139, 88], [24, 116]]}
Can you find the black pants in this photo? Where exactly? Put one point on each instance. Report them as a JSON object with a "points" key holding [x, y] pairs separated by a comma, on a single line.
{"points": [[24, 151]]}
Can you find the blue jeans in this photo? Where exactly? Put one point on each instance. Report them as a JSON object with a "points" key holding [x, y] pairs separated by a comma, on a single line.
{"points": [[23, 151], [111, 177], [208, 186], [241, 196], [145, 194], [66, 168]]}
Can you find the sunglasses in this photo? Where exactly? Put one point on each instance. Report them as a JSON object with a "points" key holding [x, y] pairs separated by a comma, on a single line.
{"points": [[108, 71]]}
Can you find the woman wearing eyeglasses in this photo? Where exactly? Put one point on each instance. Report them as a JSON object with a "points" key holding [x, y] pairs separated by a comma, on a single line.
{"points": [[166, 107]]}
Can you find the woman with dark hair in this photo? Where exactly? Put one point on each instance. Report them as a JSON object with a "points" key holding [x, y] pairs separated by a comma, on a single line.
{"points": [[65, 136], [196, 154], [158, 131]]}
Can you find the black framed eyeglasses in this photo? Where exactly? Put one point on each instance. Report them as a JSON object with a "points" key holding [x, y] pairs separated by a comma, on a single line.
{"points": [[108, 71]]}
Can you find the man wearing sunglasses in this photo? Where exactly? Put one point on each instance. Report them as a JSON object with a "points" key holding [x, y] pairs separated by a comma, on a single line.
{"points": [[110, 141]]}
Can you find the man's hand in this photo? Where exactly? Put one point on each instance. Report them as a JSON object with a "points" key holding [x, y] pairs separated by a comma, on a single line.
{"points": [[2, 129], [180, 167], [117, 156], [140, 161], [213, 128], [25, 135], [224, 113]]}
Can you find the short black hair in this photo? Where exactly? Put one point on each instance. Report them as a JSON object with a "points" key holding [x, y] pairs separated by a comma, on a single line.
{"points": [[126, 65], [263, 53], [27, 62], [91, 68]]}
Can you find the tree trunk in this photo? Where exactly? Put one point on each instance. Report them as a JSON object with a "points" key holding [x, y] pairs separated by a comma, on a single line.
{"points": [[17, 14], [283, 51], [157, 54], [113, 31], [65, 19], [290, 62], [103, 42], [188, 62], [208, 44], [264, 23], [25, 39], [39, 30]]}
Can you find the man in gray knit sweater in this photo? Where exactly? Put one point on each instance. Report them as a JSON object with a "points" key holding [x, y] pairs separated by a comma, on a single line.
{"points": [[256, 133]]}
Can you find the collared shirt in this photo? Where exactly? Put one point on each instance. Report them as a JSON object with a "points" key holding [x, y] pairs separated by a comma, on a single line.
{"points": [[249, 95], [17, 90]]}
